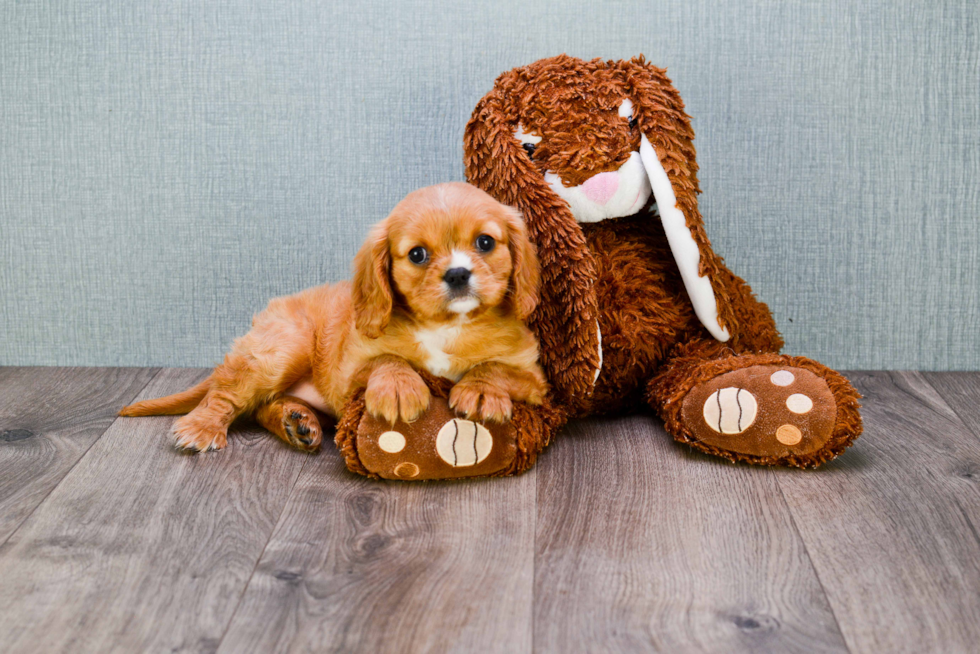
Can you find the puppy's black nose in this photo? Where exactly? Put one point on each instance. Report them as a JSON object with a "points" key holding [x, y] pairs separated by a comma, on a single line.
{"points": [[457, 277]]}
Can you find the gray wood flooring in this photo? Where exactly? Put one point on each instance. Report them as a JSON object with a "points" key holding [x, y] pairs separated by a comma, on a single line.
{"points": [[619, 539]]}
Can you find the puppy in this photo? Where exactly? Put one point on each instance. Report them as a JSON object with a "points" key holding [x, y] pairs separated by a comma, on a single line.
{"points": [[444, 283]]}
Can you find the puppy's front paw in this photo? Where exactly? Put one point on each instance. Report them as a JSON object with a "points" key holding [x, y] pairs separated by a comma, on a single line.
{"points": [[194, 435], [478, 400], [397, 394]]}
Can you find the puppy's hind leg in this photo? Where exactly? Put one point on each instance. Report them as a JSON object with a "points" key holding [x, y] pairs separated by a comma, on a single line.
{"points": [[292, 420], [261, 366]]}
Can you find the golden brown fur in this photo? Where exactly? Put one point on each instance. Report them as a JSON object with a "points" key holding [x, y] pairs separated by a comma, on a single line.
{"points": [[317, 347]]}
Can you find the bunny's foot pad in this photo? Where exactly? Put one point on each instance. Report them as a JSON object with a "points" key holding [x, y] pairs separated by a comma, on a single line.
{"points": [[441, 444], [770, 414], [438, 445]]}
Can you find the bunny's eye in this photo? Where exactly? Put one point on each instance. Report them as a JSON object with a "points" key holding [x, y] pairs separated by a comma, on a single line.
{"points": [[626, 111], [527, 140]]}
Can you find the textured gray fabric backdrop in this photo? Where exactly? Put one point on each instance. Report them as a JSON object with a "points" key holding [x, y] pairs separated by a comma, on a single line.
{"points": [[167, 166]]}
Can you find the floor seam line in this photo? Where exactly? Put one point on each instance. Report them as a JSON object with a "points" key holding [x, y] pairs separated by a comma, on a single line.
{"points": [[813, 565], [534, 560], [77, 461], [258, 559], [952, 408]]}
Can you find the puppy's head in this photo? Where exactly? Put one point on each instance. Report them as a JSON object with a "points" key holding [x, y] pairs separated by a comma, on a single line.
{"points": [[445, 251]]}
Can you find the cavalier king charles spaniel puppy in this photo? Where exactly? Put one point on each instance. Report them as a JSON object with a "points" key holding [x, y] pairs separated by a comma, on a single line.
{"points": [[444, 283]]}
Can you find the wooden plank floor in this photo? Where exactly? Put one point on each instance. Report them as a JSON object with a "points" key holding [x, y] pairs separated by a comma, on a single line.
{"points": [[619, 539]]}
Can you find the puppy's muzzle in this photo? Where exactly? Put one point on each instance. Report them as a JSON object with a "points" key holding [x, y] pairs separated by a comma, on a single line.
{"points": [[457, 279]]}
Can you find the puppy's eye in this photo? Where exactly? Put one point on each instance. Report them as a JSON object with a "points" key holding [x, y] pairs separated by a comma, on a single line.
{"points": [[418, 255], [485, 242], [530, 148], [632, 122]]}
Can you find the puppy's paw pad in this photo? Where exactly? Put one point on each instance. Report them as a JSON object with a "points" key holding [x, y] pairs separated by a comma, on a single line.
{"points": [[463, 443], [302, 427]]}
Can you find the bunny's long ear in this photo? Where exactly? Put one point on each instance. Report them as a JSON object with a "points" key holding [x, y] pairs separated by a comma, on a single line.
{"points": [[565, 320], [667, 152]]}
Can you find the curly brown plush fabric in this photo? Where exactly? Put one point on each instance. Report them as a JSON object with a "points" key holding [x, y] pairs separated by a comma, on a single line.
{"points": [[618, 278]]}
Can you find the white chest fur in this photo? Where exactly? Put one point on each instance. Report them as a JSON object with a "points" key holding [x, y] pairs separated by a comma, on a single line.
{"points": [[435, 343]]}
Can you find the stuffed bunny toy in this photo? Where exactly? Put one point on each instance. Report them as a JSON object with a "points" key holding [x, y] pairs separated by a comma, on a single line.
{"points": [[635, 307]]}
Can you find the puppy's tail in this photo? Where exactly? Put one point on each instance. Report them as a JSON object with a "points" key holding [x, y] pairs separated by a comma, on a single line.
{"points": [[171, 405]]}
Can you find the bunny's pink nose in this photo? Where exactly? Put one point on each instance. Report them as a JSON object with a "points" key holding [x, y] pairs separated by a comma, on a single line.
{"points": [[599, 188]]}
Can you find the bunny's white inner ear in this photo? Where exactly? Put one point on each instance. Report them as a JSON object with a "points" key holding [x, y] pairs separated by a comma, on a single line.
{"points": [[682, 244], [598, 370]]}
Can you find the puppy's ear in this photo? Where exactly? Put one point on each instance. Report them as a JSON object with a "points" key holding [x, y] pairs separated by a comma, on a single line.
{"points": [[371, 286], [525, 275]]}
